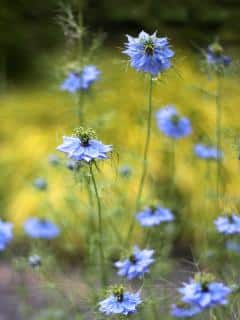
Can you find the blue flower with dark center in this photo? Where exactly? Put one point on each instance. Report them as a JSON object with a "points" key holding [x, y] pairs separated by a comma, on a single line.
{"points": [[171, 124], [120, 302], [215, 55], [204, 292], [183, 310], [53, 159], [41, 229], [5, 234], [80, 80], [229, 224], [40, 184], [148, 53], [136, 265], [207, 152], [153, 216], [83, 147]]}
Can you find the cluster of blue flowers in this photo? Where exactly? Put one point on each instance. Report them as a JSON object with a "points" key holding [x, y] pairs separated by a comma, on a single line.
{"points": [[229, 224], [81, 80], [5, 234]]}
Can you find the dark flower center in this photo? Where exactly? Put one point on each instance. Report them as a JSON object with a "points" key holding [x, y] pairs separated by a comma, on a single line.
{"points": [[230, 218], [153, 208], [118, 292], [132, 259], [175, 119], [42, 221], [205, 287], [84, 135], [216, 49], [149, 47]]}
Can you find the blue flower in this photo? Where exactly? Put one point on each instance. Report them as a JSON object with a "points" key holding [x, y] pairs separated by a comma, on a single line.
{"points": [[148, 53], [41, 229], [53, 159], [183, 310], [233, 246], [154, 216], [120, 302], [5, 234], [80, 80], [83, 147], [204, 292], [214, 55], [40, 184], [171, 124], [72, 165], [136, 265], [207, 152], [229, 224], [125, 171]]}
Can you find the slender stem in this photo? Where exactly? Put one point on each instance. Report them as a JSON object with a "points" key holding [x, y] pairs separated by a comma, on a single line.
{"points": [[80, 108], [145, 158], [173, 175], [218, 139], [100, 239]]}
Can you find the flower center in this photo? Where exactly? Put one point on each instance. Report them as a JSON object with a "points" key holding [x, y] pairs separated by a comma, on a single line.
{"points": [[204, 279], [149, 47], [152, 208], [175, 119], [84, 135], [230, 218], [132, 258], [216, 49], [118, 292]]}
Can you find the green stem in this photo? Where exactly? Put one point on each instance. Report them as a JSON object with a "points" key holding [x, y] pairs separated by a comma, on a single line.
{"points": [[173, 169], [100, 239], [80, 108], [145, 158], [218, 139]]}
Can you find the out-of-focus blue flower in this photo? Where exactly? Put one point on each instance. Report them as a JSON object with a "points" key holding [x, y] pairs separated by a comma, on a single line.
{"points": [[40, 184], [35, 261], [53, 159], [204, 292], [183, 310], [207, 152], [72, 165], [41, 228], [229, 224], [125, 171], [83, 147], [148, 53], [172, 124], [215, 56], [153, 216], [136, 265], [5, 234], [120, 302], [80, 80], [232, 245]]}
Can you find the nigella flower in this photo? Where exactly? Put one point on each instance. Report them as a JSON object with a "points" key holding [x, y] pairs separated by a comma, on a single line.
{"points": [[136, 265], [229, 224], [41, 229], [83, 146], [125, 171], [172, 124], [184, 310], [120, 302], [204, 292], [215, 56], [5, 234], [53, 159], [148, 53], [35, 261], [207, 152], [40, 184], [233, 246], [80, 80], [154, 215]]}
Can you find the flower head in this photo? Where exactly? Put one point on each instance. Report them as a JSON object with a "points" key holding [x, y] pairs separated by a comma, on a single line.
{"points": [[172, 124], [35, 261], [120, 302], [5, 234], [53, 159], [204, 292], [153, 216], [184, 310], [40, 184], [233, 246], [148, 53], [215, 55], [41, 229], [83, 146], [207, 152], [80, 80], [136, 265], [229, 224]]}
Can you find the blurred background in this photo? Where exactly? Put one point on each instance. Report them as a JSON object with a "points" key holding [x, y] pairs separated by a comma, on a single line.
{"points": [[35, 113]]}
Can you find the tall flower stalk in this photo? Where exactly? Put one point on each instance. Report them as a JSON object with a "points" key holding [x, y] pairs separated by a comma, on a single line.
{"points": [[152, 55], [100, 232], [218, 138]]}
